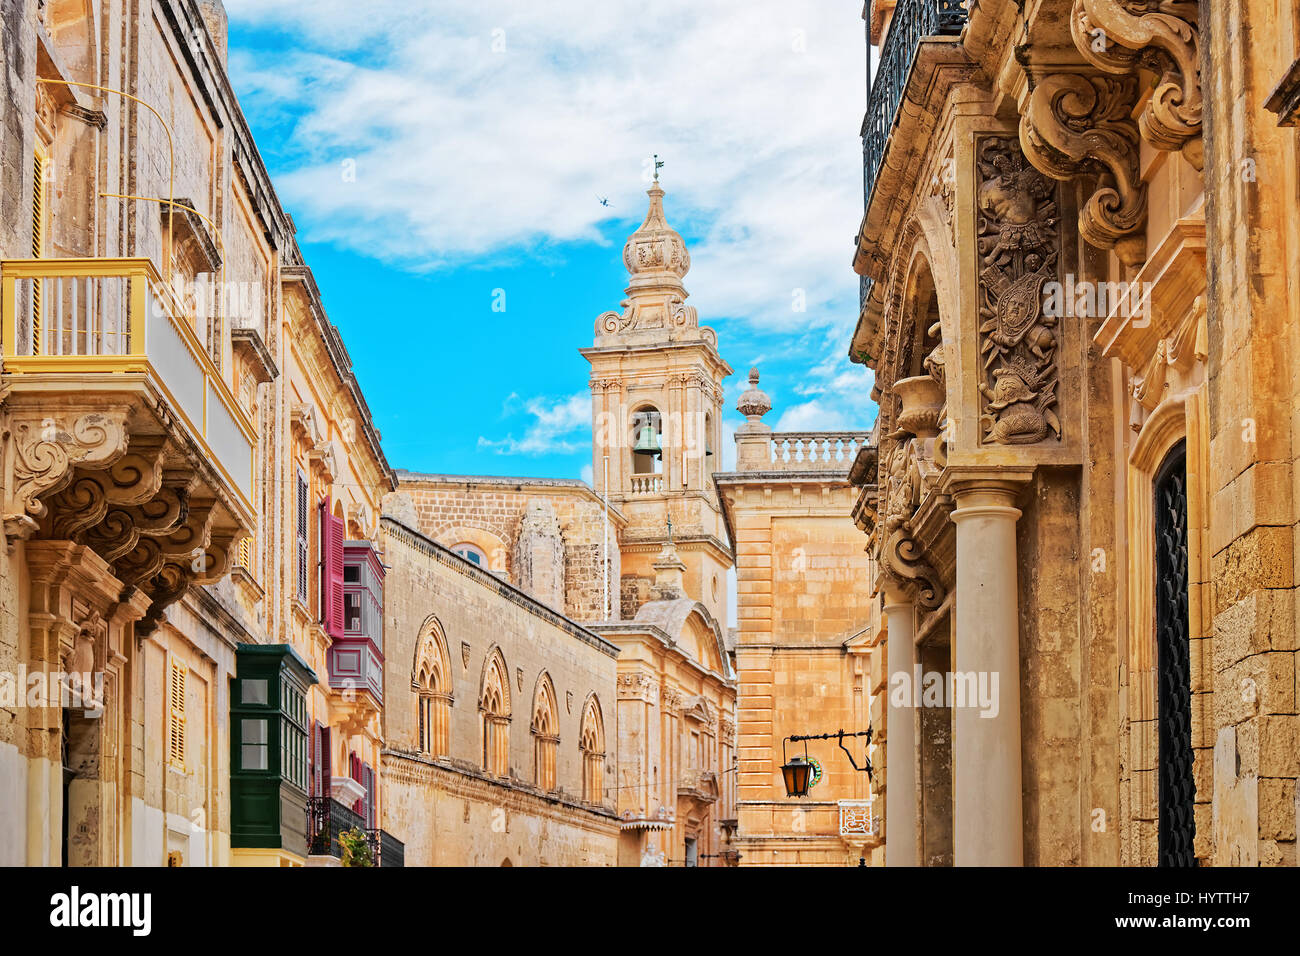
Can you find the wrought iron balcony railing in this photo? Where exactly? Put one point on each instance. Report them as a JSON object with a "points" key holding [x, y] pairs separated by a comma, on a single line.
{"points": [[109, 320], [913, 20], [327, 819]]}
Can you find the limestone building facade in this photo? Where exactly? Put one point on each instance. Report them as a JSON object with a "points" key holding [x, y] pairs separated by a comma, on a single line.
{"points": [[640, 557], [805, 643], [499, 725], [1077, 258], [189, 466]]}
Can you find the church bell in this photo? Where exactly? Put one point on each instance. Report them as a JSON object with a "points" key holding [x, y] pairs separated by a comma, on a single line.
{"points": [[647, 442]]}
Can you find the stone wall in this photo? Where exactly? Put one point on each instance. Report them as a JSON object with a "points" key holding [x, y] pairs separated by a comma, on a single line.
{"points": [[489, 513], [445, 808]]}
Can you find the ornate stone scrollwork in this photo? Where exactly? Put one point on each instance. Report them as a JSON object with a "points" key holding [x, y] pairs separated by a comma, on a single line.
{"points": [[682, 314], [46, 448], [1118, 36], [1074, 121], [899, 554], [141, 563], [79, 506], [1018, 248], [138, 475], [116, 535], [165, 588]]}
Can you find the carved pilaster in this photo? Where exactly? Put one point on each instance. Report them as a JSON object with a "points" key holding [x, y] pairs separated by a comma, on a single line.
{"points": [[1119, 36], [1078, 122], [1018, 248]]}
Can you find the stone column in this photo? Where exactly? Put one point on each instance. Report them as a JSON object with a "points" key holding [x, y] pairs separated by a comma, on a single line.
{"points": [[900, 738], [988, 822]]}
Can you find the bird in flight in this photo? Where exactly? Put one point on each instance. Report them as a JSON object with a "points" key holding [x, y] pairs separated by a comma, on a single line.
{"points": [[604, 200]]}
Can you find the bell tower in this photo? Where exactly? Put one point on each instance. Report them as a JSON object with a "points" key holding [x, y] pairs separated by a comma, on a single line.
{"points": [[656, 401]]}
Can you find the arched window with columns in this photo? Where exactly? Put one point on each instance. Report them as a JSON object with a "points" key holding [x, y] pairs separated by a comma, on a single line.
{"points": [[431, 679], [591, 743], [494, 714], [546, 733]]}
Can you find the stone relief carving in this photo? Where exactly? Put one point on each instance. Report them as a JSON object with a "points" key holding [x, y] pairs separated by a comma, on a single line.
{"points": [[636, 686], [905, 475], [1119, 36], [1018, 250], [1076, 121], [45, 449]]}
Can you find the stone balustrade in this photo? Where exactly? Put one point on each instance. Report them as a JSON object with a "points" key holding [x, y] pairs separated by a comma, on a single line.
{"points": [[816, 451], [647, 484]]}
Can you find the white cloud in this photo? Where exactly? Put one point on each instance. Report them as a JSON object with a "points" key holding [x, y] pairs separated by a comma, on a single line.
{"points": [[479, 128], [816, 415], [557, 427]]}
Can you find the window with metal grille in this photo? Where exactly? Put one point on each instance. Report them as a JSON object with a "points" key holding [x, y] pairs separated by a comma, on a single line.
{"points": [[1176, 835], [304, 549], [176, 715]]}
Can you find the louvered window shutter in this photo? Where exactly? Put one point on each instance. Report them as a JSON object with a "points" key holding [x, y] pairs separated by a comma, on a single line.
{"points": [[304, 552], [332, 533], [313, 766], [325, 760], [354, 771], [176, 715], [370, 796]]}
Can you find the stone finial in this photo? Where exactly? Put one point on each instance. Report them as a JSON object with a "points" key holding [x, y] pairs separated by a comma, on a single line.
{"points": [[656, 251], [668, 574], [754, 403], [754, 438]]}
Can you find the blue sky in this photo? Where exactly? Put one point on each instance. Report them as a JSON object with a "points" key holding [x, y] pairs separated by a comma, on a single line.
{"points": [[440, 157]]}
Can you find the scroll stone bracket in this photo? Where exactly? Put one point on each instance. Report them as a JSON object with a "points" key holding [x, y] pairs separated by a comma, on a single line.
{"points": [[1121, 36], [43, 448], [1079, 122]]}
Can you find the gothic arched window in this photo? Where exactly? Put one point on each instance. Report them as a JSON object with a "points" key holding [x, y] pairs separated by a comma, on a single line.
{"points": [[546, 733], [494, 710], [591, 743], [432, 681]]}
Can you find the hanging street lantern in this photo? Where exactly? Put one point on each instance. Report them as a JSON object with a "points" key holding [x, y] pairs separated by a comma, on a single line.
{"points": [[797, 772], [801, 772]]}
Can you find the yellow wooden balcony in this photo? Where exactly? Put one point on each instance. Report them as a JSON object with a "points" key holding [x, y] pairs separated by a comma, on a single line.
{"points": [[108, 323]]}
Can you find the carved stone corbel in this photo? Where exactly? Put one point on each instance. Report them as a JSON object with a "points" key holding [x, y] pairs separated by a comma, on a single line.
{"points": [[46, 447], [1077, 121], [138, 475], [78, 507], [901, 558], [1119, 36], [165, 588]]}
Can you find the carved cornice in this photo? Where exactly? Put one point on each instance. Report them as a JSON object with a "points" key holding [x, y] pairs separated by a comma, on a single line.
{"points": [[1078, 122], [1119, 36]]}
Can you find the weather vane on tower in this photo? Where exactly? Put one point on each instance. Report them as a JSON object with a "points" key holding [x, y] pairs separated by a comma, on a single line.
{"points": [[658, 165]]}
